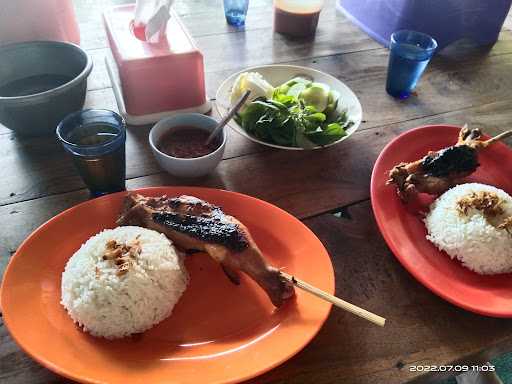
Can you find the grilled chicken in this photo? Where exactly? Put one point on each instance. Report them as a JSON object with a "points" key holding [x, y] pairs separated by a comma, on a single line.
{"points": [[439, 171], [195, 225]]}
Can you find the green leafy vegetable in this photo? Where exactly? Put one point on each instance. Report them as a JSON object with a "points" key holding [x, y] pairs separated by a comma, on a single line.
{"points": [[300, 113], [330, 133], [316, 117]]}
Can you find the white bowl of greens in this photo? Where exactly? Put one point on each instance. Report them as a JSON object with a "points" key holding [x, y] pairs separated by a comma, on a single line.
{"points": [[291, 107]]}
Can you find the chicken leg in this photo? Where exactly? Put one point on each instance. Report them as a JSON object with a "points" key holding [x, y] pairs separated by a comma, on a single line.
{"points": [[193, 224]]}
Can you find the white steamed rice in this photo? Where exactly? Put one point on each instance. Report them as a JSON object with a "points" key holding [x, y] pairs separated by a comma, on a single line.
{"points": [[471, 238], [111, 305]]}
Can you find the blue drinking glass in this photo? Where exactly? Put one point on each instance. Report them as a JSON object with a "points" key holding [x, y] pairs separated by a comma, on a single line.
{"points": [[410, 52], [95, 139], [236, 11]]}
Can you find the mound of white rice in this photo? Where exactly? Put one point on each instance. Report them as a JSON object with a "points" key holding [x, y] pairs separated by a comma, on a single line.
{"points": [[110, 304], [471, 238]]}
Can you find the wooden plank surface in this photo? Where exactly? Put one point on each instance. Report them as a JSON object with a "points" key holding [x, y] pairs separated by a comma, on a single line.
{"points": [[422, 329], [463, 84], [336, 176], [34, 167], [223, 46], [241, 49], [202, 18]]}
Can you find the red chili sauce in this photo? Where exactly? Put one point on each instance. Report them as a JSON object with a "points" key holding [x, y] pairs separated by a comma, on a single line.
{"points": [[187, 143]]}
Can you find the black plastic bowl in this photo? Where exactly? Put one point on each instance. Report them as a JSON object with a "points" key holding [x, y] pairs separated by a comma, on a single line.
{"points": [[41, 82]]}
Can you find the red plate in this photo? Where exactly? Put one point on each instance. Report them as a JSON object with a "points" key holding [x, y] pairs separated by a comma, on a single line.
{"points": [[405, 233], [218, 332]]}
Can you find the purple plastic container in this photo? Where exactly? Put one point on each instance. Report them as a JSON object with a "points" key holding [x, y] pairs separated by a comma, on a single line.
{"points": [[446, 21]]}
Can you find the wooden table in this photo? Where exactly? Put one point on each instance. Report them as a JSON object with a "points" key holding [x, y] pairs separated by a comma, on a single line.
{"points": [[328, 189]]}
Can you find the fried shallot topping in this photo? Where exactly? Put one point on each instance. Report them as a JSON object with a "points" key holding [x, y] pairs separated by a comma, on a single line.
{"points": [[122, 254], [487, 202], [506, 225]]}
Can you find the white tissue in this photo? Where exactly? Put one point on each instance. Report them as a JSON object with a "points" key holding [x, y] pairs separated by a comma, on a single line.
{"points": [[153, 15]]}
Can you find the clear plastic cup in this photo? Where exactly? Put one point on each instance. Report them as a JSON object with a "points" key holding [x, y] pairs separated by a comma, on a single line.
{"points": [[236, 11], [410, 53]]}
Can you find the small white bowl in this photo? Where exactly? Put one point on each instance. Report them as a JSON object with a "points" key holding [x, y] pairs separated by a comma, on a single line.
{"points": [[193, 167]]}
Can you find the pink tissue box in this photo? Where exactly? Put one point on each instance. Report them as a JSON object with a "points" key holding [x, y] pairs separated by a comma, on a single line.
{"points": [[156, 79]]}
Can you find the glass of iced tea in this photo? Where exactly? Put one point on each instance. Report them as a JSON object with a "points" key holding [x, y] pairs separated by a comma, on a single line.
{"points": [[297, 18], [95, 139]]}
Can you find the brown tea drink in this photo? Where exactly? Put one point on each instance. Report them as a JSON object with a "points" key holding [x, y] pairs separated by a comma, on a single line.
{"points": [[95, 139], [105, 171], [297, 18]]}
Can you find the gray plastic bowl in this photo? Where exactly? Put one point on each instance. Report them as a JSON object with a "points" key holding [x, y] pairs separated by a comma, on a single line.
{"points": [[41, 82]]}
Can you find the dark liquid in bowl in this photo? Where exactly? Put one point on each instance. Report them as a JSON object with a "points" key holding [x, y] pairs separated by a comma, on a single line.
{"points": [[32, 85], [187, 143], [295, 24]]}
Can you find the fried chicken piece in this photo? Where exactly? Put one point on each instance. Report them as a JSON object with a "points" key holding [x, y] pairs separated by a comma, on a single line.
{"points": [[439, 171], [194, 224]]}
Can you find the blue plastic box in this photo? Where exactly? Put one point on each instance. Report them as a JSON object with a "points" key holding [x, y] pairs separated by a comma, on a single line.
{"points": [[445, 20]]}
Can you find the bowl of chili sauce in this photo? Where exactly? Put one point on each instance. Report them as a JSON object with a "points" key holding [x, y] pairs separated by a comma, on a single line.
{"points": [[179, 144]]}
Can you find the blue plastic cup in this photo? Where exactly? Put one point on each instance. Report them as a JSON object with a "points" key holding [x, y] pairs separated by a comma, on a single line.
{"points": [[95, 139], [236, 11], [410, 52]]}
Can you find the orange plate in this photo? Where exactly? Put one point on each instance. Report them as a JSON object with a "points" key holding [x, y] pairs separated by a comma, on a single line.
{"points": [[218, 332], [403, 229]]}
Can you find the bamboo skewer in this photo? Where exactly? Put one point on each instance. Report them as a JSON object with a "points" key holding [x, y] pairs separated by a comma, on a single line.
{"points": [[492, 140], [376, 319], [498, 137]]}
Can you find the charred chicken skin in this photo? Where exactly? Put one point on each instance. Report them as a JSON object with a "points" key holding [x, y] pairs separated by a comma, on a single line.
{"points": [[195, 225], [439, 171]]}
